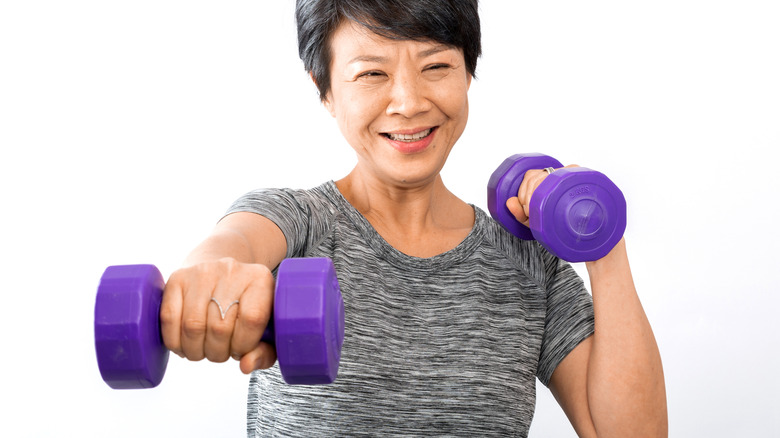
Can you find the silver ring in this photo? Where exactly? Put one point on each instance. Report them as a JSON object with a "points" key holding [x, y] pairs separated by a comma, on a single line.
{"points": [[549, 170], [223, 312]]}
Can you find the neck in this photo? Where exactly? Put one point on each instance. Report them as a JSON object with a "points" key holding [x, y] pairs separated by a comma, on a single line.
{"points": [[420, 220]]}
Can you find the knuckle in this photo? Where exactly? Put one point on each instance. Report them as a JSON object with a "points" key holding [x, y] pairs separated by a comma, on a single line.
{"points": [[176, 276], [218, 358], [193, 328], [229, 265], [221, 330], [262, 273], [173, 279], [205, 270], [254, 319], [167, 315], [184, 275], [522, 199]]}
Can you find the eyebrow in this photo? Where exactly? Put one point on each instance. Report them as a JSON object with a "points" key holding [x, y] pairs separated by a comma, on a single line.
{"points": [[434, 50], [382, 59], [369, 58]]}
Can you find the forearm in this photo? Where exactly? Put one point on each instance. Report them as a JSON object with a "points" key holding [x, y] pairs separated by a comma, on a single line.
{"points": [[625, 381], [219, 245]]}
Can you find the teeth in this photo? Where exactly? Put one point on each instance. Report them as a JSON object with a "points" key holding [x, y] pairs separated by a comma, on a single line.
{"points": [[410, 137]]}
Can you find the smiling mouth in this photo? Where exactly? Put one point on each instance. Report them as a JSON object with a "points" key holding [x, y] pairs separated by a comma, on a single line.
{"points": [[409, 138]]}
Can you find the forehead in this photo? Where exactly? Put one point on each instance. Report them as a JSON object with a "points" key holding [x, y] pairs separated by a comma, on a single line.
{"points": [[353, 41]]}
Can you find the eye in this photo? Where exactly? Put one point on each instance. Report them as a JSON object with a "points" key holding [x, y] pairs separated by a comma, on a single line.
{"points": [[437, 71], [370, 75]]}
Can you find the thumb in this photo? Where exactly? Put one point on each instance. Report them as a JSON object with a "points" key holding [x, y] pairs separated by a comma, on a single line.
{"points": [[520, 212], [263, 356]]}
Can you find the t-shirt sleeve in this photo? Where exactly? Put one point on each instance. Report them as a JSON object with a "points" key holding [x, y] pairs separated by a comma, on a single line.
{"points": [[569, 318], [282, 207]]}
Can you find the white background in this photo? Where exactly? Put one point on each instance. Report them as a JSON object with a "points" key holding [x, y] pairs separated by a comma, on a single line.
{"points": [[127, 128]]}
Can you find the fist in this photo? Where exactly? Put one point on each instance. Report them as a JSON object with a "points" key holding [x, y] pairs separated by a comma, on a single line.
{"points": [[218, 310], [518, 205]]}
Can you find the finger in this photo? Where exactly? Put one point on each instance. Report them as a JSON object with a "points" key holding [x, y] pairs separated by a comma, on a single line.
{"points": [[194, 316], [263, 356], [253, 313], [221, 318], [517, 210], [170, 316], [526, 189], [533, 184]]}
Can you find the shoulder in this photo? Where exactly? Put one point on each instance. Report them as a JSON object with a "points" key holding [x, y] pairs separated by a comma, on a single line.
{"points": [[320, 197], [526, 255], [304, 216]]}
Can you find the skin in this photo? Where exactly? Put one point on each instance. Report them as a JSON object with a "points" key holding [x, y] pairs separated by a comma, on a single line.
{"points": [[610, 385]]}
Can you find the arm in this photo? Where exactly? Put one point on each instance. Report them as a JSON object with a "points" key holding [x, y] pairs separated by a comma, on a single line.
{"points": [[245, 237], [612, 384]]}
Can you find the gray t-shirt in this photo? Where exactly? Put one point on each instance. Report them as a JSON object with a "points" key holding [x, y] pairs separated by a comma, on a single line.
{"points": [[448, 345]]}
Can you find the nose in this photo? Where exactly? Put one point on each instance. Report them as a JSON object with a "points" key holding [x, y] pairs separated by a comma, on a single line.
{"points": [[408, 96]]}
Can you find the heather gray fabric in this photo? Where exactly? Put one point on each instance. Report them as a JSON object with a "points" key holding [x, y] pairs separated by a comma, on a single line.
{"points": [[449, 345]]}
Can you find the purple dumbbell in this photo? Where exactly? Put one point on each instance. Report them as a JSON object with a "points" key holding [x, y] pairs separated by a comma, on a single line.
{"points": [[307, 327], [576, 213]]}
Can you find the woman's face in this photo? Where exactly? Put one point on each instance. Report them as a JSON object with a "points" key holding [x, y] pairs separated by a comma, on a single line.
{"points": [[401, 105]]}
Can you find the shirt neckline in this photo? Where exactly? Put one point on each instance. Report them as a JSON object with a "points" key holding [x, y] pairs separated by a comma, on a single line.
{"points": [[399, 259]]}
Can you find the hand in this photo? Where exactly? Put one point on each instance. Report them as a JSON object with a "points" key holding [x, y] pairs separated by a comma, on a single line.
{"points": [[193, 326], [518, 205]]}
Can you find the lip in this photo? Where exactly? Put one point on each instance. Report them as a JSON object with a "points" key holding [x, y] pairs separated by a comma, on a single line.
{"points": [[414, 147]]}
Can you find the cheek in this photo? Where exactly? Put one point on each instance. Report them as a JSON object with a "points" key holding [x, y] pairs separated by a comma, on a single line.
{"points": [[454, 99], [353, 123], [356, 113], [457, 108]]}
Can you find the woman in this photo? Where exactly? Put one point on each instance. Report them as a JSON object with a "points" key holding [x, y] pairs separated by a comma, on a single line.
{"points": [[449, 319]]}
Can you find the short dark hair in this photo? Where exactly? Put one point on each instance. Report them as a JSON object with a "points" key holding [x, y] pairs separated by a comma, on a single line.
{"points": [[451, 22]]}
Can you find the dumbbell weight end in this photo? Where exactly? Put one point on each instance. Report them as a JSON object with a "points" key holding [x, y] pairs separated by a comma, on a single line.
{"points": [[128, 343], [578, 214]]}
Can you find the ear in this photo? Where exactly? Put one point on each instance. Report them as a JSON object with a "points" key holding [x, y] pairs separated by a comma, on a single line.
{"points": [[326, 100]]}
